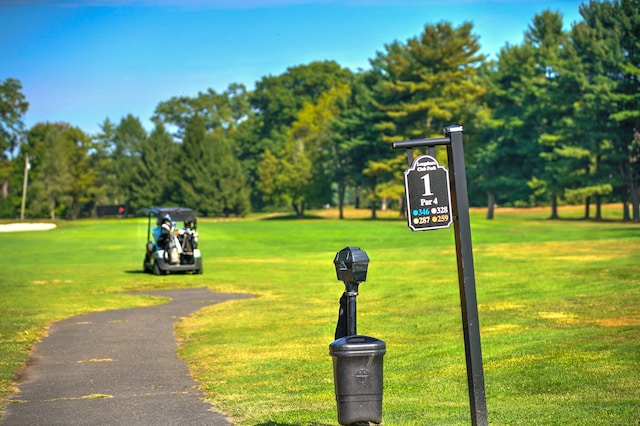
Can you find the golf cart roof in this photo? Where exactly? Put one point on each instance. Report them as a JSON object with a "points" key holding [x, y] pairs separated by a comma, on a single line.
{"points": [[178, 214]]}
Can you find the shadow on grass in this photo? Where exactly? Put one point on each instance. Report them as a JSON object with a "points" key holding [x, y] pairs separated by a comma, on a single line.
{"points": [[135, 271], [284, 217], [571, 220], [291, 217], [291, 424]]}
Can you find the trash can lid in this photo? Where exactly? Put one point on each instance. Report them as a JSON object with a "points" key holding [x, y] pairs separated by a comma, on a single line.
{"points": [[357, 343]]}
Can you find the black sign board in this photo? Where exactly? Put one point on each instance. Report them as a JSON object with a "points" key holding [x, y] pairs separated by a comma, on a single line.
{"points": [[428, 195]]}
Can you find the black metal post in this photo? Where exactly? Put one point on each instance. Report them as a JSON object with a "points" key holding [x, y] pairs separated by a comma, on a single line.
{"points": [[352, 293], [149, 228], [466, 277]]}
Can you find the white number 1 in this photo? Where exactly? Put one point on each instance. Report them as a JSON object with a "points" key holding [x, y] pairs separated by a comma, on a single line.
{"points": [[427, 185]]}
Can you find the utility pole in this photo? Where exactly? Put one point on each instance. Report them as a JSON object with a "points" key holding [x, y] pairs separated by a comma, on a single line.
{"points": [[27, 166]]}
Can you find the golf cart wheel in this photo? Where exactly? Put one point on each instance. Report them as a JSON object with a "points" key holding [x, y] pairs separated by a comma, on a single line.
{"points": [[146, 266], [157, 270]]}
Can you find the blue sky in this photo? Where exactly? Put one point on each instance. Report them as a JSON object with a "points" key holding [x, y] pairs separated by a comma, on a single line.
{"points": [[81, 61]]}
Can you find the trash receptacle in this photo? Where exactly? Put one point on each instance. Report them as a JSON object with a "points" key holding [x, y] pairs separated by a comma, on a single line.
{"points": [[357, 378]]}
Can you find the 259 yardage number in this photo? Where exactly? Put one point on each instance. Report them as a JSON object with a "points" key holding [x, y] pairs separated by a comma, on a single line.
{"points": [[423, 220]]}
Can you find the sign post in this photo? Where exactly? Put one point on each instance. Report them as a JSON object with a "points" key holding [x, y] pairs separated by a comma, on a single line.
{"points": [[424, 177]]}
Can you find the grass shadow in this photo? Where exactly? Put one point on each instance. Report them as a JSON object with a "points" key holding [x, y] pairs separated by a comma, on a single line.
{"points": [[292, 217], [291, 424]]}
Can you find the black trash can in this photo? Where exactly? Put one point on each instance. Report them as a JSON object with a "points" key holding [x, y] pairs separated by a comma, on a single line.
{"points": [[357, 378]]}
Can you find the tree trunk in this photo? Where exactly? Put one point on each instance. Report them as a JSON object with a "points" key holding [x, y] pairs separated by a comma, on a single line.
{"points": [[374, 206], [635, 201], [587, 207], [598, 207], [75, 211], [357, 201], [52, 209], [491, 204], [341, 191], [554, 207], [625, 211], [374, 214], [299, 209]]}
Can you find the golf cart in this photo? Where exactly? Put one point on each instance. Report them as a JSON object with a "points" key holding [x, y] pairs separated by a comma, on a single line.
{"points": [[169, 247]]}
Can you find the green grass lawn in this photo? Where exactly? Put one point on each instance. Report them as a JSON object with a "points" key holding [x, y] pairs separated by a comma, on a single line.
{"points": [[559, 309]]}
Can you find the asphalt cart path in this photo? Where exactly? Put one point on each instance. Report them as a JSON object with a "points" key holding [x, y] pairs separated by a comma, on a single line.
{"points": [[115, 368]]}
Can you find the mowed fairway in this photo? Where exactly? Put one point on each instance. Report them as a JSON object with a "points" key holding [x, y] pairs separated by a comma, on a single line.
{"points": [[559, 309]]}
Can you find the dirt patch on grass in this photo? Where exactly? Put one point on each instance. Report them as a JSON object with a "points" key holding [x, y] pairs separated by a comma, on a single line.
{"points": [[619, 322]]}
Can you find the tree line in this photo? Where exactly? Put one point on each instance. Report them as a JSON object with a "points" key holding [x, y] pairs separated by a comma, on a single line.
{"points": [[551, 120]]}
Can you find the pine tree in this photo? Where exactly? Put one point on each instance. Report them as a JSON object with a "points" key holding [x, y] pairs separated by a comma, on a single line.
{"points": [[609, 112], [208, 176], [129, 136], [430, 82], [152, 177]]}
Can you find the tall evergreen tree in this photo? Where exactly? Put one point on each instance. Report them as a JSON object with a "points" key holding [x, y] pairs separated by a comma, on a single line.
{"points": [[354, 138], [553, 106], [426, 84], [430, 81], [607, 42], [226, 115], [102, 162], [509, 155], [208, 176], [588, 126], [628, 96], [129, 136], [228, 177], [192, 172], [153, 176]]}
